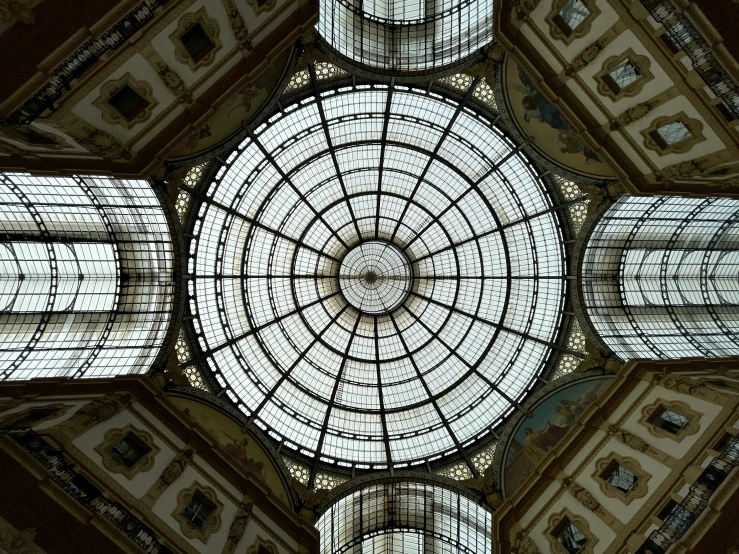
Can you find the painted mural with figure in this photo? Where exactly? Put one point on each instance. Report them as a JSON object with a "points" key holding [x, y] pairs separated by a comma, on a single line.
{"points": [[244, 449], [533, 437], [242, 104], [553, 135]]}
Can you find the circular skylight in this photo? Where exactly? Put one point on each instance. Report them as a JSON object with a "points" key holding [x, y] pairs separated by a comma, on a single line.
{"points": [[378, 276]]}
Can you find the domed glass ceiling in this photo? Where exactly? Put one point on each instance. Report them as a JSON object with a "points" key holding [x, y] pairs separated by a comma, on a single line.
{"points": [[378, 276]]}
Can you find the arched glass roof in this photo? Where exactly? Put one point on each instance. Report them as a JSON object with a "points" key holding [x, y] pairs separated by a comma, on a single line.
{"points": [[403, 35], [404, 518], [378, 276], [659, 277]]}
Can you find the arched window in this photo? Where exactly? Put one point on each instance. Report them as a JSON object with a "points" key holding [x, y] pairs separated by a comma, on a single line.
{"points": [[660, 277], [86, 280]]}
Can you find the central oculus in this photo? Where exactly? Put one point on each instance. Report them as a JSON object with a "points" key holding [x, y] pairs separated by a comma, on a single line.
{"points": [[375, 277]]}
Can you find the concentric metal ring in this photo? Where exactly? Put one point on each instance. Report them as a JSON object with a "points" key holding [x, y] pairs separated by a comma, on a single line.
{"points": [[375, 277], [297, 239]]}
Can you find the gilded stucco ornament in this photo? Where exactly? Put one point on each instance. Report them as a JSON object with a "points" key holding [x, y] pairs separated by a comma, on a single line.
{"points": [[13, 541], [99, 143], [679, 383], [581, 495], [176, 467], [524, 545], [238, 25], [238, 526], [524, 8], [486, 484], [16, 10]]}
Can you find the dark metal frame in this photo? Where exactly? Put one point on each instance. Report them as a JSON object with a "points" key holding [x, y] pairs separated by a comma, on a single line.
{"points": [[687, 37], [607, 250], [202, 196]]}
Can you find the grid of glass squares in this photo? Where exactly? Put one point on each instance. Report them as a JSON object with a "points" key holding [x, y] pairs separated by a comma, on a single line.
{"points": [[622, 76], [668, 420], [570, 537], [473, 324], [659, 277], [401, 35], [405, 518]]}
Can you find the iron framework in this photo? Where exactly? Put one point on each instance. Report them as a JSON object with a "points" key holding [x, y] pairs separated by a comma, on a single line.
{"points": [[427, 174], [659, 277], [86, 276], [400, 36]]}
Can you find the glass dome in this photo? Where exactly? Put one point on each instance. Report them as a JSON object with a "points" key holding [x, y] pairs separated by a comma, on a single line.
{"points": [[401, 35], [378, 276]]}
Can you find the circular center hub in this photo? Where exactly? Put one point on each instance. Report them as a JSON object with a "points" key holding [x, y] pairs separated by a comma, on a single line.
{"points": [[375, 277]]}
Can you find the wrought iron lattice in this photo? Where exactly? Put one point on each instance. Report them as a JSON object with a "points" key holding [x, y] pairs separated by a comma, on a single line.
{"points": [[685, 514], [660, 274], [405, 517], [379, 34], [86, 284], [84, 57], [83, 491], [684, 34], [440, 199]]}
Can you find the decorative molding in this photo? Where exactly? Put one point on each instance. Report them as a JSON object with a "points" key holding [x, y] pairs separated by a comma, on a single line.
{"points": [[524, 545], [260, 6], [93, 413], [641, 63], [635, 113], [583, 59], [524, 8], [557, 33], [13, 541], [174, 469], [681, 384], [629, 439], [238, 25], [113, 437], [16, 10], [238, 527], [259, 544], [555, 520], [99, 143], [638, 490], [13, 133], [210, 28], [212, 524], [169, 77], [8, 420], [694, 126], [112, 115], [691, 427], [583, 496]]}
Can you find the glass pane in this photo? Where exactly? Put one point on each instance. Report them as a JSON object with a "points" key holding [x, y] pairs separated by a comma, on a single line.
{"points": [[198, 511], [674, 132], [669, 421], [624, 74], [571, 538], [621, 478], [129, 450], [573, 14]]}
